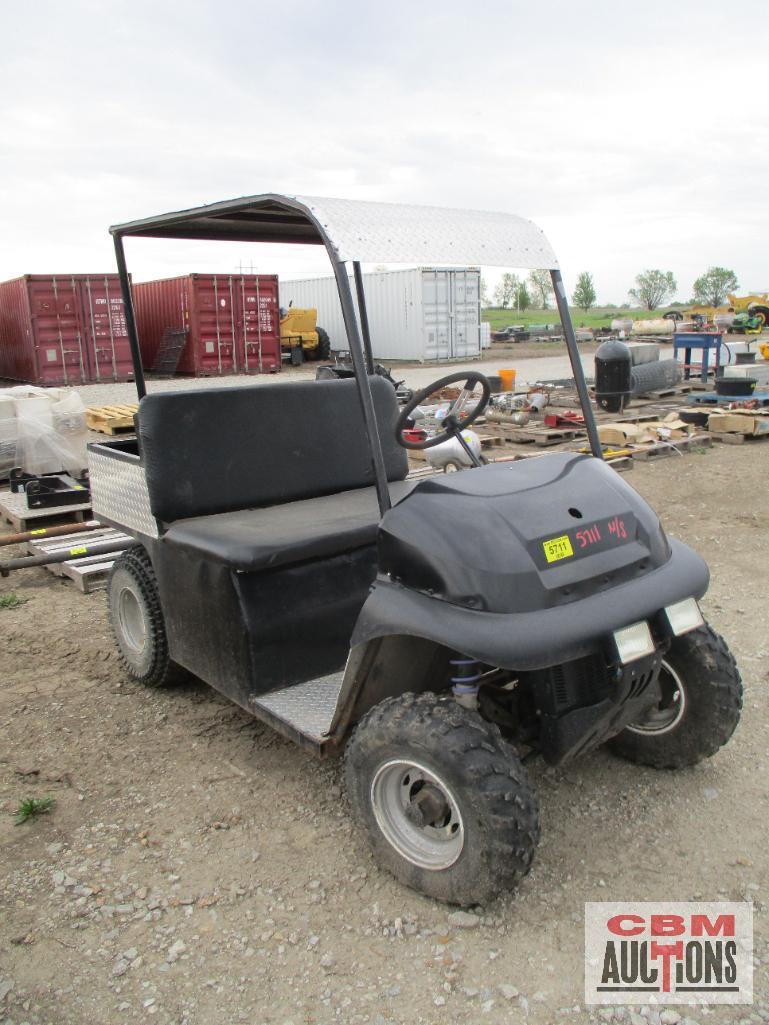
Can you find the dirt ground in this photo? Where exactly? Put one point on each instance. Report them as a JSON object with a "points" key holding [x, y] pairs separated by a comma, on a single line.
{"points": [[198, 869]]}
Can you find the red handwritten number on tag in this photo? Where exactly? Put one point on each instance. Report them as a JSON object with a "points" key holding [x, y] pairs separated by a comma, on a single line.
{"points": [[617, 528], [589, 536]]}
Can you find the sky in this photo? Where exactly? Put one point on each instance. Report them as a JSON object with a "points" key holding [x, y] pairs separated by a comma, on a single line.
{"points": [[636, 136]]}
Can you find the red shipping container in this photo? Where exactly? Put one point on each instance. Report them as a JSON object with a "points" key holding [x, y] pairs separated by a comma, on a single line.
{"points": [[63, 329], [232, 322]]}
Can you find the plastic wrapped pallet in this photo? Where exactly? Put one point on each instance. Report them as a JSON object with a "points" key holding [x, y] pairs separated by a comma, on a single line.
{"points": [[7, 434], [42, 430]]}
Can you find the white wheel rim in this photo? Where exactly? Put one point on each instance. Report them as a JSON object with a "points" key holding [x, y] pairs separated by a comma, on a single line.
{"points": [[665, 716], [397, 805], [131, 619]]}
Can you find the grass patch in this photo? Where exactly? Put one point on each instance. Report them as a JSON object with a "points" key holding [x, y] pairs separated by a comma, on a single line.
{"points": [[32, 807], [11, 601], [599, 316]]}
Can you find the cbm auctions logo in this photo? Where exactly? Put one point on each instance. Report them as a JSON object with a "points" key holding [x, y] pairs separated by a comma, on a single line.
{"points": [[669, 953]]}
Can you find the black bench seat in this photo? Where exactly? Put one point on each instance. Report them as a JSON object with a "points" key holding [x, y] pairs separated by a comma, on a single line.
{"points": [[256, 539], [269, 475]]}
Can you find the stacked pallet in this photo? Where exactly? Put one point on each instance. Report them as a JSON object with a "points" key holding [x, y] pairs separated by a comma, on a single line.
{"points": [[88, 572], [112, 419]]}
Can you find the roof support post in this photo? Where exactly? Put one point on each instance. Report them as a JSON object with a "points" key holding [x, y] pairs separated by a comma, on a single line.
{"points": [[576, 363], [363, 312], [130, 320], [363, 382]]}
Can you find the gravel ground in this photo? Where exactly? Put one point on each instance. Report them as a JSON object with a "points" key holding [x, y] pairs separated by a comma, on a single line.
{"points": [[199, 869], [532, 368]]}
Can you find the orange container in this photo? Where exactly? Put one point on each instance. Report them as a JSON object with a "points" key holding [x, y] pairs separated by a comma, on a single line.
{"points": [[508, 380]]}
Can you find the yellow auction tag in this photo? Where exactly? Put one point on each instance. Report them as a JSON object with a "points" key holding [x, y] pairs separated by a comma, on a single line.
{"points": [[78, 551], [558, 548]]}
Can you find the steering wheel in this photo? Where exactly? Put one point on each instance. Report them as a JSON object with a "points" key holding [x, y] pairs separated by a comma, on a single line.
{"points": [[453, 422]]}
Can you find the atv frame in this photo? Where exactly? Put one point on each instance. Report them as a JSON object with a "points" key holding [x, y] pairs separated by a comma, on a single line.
{"points": [[441, 630]]}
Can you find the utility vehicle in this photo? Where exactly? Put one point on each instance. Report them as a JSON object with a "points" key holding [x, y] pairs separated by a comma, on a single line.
{"points": [[439, 631]]}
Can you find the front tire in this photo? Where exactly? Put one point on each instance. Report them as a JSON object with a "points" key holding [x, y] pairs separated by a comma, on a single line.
{"points": [[447, 805], [137, 622], [700, 706]]}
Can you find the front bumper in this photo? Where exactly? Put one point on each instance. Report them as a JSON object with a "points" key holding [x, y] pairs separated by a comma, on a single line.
{"points": [[532, 640]]}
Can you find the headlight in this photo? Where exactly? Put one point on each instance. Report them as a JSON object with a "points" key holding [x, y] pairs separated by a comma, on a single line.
{"points": [[634, 642], [684, 616]]}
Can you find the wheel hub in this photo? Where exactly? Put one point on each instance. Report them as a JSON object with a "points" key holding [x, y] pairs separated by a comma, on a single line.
{"points": [[428, 807], [418, 814], [668, 712]]}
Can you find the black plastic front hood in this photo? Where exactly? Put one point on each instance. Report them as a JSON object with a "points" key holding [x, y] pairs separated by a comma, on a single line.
{"points": [[522, 536]]}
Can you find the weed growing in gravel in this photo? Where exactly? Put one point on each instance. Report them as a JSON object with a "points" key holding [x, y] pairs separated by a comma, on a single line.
{"points": [[11, 601], [32, 807]]}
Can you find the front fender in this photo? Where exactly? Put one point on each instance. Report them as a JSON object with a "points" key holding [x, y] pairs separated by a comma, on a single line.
{"points": [[531, 640]]}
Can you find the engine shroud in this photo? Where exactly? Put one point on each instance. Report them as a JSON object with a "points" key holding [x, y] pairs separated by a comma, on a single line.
{"points": [[517, 537]]}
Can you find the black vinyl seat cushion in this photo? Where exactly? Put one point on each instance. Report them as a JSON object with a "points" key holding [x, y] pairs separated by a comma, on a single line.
{"points": [[280, 535], [220, 450]]}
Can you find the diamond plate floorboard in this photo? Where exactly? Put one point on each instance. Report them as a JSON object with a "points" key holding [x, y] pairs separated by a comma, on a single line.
{"points": [[308, 707]]}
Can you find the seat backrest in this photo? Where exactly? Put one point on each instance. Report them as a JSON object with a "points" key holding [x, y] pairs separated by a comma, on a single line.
{"points": [[219, 449]]}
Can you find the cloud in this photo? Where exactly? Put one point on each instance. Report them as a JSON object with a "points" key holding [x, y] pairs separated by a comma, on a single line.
{"points": [[635, 137]]}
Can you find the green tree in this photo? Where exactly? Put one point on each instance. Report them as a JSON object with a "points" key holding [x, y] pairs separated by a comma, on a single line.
{"points": [[541, 287], [712, 287], [506, 290], [522, 297], [653, 288], [584, 294]]}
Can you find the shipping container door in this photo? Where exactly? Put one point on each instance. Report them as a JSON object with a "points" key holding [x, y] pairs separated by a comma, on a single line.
{"points": [[436, 304], [258, 323], [58, 330], [108, 349], [465, 310], [213, 298]]}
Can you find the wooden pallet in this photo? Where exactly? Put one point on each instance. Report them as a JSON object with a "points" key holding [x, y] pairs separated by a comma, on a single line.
{"points": [[628, 418], [111, 419], [736, 437], [666, 393], [13, 510], [658, 449], [89, 572], [491, 440], [542, 437]]}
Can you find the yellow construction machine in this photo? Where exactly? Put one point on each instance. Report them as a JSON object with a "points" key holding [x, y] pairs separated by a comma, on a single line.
{"points": [[301, 336], [755, 307]]}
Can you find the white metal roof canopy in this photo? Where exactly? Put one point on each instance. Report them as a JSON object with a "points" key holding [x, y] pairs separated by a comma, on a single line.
{"points": [[363, 231]]}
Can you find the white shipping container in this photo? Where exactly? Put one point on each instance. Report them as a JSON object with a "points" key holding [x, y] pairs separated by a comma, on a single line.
{"points": [[424, 313]]}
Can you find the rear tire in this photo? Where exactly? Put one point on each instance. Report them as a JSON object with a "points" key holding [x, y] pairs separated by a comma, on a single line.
{"points": [[323, 348], [699, 711], [473, 831], [137, 622]]}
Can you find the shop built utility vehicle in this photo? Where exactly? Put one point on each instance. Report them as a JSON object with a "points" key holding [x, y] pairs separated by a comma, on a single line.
{"points": [[439, 631]]}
